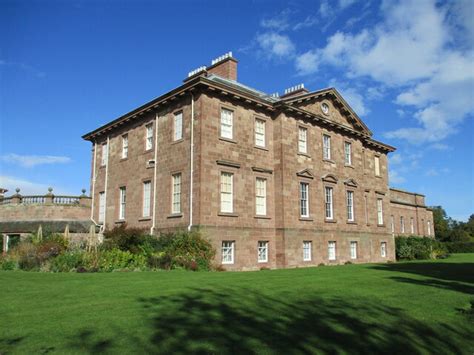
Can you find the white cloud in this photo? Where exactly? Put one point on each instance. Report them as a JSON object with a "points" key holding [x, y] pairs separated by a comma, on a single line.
{"points": [[309, 21], [395, 178], [352, 95], [28, 187], [395, 159], [278, 23], [275, 45], [410, 51], [307, 63], [29, 161]]}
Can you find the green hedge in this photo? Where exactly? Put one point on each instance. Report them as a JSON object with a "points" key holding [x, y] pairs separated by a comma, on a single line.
{"points": [[411, 248], [460, 247]]}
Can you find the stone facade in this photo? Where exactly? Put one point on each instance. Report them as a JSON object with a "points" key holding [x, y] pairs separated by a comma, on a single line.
{"points": [[202, 154]]}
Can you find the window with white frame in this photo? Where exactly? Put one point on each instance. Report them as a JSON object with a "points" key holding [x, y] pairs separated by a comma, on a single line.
{"points": [[392, 224], [228, 252], [383, 249], [377, 165], [347, 153], [304, 199], [261, 196], [259, 132], [227, 192], [262, 252], [307, 251], [101, 207], [412, 226], [122, 202], [149, 136], [328, 202], [124, 146], [326, 147], [176, 194], [302, 140], [332, 250], [227, 123], [146, 198], [429, 228], [353, 250], [379, 211], [350, 206], [402, 225], [178, 126], [104, 155]]}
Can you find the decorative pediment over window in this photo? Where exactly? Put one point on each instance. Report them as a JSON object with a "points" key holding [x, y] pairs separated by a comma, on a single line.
{"points": [[350, 182], [306, 173], [330, 178]]}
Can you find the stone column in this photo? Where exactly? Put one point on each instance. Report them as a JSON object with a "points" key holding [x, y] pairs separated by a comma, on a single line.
{"points": [[49, 197], [16, 198], [84, 200], [5, 243]]}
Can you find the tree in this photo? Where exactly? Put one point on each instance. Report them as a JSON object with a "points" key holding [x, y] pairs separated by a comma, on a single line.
{"points": [[441, 223]]}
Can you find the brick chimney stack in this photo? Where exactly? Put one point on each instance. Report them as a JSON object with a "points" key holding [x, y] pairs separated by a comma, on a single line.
{"points": [[224, 66], [295, 91]]}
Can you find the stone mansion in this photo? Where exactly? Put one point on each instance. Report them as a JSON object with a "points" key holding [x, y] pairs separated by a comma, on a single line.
{"points": [[273, 181]]}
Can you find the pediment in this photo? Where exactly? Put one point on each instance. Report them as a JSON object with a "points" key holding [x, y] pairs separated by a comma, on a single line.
{"points": [[350, 182], [306, 173], [330, 105], [329, 178]]}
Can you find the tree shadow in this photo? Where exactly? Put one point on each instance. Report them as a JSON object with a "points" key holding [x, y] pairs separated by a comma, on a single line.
{"points": [[449, 276], [245, 321], [461, 272], [7, 345], [86, 341], [446, 285]]}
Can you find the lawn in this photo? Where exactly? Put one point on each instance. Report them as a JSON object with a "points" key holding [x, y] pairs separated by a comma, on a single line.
{"points": [[416, 307]]}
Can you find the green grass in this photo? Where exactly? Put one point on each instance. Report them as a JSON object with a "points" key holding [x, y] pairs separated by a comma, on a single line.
{"points": [[416, 307]]}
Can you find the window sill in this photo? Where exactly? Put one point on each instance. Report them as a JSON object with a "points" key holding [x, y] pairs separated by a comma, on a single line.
{"points": [[329, 161], [261, 148], [227, 263], [378, 176], [142, 219], [349, 166], [229, 140], [103, 166], [263, 262], [257, 216], [352, 222], [330, 220], [148, 150], [308, 219], [306, 155], [175, 215], [120, 221], [227, 214], [177, 141], [381, 225], [123, 159]]}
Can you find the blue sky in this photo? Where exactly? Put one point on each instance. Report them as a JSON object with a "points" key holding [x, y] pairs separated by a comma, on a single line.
{"points": [[67, 67]]}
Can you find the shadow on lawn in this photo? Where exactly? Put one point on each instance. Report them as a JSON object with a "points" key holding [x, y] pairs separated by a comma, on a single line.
{"points": [[245, 321], [449, 276]]}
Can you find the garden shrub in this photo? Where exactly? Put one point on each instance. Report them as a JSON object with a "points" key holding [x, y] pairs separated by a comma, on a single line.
{"points": [[27, 256], [69, 261], [185, 249], [8, 262], [460, 247], [116, 259], [134, 240], [411, 248]]}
